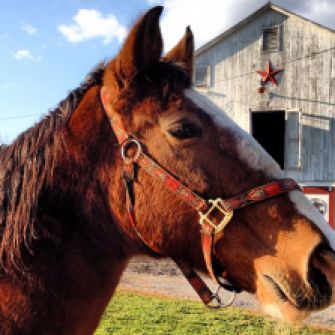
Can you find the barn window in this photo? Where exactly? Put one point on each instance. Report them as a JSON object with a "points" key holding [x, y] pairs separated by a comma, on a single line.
{"points": [[271, 40], [268, 128], [202, 76]]}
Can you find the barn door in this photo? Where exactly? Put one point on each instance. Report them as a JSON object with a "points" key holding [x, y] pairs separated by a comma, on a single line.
{"points": [[293, 140], [268, 128]]}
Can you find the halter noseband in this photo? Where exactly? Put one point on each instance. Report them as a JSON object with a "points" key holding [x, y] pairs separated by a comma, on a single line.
{"points": [[208, 209]]}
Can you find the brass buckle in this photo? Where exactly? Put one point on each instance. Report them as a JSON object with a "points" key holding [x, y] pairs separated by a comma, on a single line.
{"points": [[215, 205]]}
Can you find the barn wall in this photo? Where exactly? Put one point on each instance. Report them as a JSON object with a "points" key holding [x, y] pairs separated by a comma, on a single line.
{"points": [[306, 89]]}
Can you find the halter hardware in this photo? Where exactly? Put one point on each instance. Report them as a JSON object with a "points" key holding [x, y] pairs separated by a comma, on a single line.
{"points": [[206, 218], [217, 302], [126, 145]]}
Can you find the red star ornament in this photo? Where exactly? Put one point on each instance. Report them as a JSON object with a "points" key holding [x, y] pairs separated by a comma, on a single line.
{"points": [[269, 74]]}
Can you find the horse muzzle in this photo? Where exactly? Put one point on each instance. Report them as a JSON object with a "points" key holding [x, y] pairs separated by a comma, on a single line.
{"points": [[296, 296]]}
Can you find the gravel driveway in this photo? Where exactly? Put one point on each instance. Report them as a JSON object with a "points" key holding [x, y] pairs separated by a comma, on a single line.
{"points": [[163, 278]]}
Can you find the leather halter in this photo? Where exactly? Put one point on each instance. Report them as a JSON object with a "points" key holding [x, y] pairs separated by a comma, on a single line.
{"points": [[208, 209]]}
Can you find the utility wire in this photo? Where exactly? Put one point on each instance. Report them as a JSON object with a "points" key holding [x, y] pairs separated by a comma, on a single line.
{"points": [[311, 55], [17, 117]]}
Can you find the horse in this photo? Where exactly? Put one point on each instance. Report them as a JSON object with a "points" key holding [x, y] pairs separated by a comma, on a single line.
{"points": [[74, 208]]}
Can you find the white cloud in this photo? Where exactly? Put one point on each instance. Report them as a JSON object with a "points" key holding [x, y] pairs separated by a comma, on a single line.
{"points": [[28, 28], [322, 11], [26, 55], [90, 23], [208, 18]]}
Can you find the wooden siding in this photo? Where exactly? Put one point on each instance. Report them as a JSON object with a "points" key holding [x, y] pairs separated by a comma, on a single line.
{"points": [[306, 87]]}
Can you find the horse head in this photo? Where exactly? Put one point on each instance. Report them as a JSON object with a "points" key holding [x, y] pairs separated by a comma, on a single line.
{"points": [[281, 249], [124, 166]]}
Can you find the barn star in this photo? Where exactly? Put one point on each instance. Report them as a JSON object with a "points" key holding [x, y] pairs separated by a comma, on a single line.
{"points": [[269, 74]]}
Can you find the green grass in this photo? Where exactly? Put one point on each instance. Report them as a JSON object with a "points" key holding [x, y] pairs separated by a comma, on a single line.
{"points": [[133, 314]]}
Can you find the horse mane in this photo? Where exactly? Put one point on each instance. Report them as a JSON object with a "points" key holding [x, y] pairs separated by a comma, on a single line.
{"points": [[26, 167]]}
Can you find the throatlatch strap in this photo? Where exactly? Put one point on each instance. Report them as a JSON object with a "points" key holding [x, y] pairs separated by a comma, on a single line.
{"points": [[199, 286]]}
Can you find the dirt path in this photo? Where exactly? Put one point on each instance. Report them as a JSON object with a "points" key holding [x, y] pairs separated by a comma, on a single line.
{"points": [[163, 278]]}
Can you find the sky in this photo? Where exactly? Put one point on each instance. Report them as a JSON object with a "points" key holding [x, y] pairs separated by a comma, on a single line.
{"points": [[47, 47]]}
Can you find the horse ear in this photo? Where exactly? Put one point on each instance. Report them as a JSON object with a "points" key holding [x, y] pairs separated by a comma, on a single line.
{"points": [[183, 52], [142, 47]]}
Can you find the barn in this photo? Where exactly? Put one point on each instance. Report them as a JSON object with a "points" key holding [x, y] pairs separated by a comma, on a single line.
{"points": [[274, 74]]}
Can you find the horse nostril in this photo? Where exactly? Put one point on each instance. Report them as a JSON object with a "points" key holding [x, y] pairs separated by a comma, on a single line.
{"points": [[317, 275]]}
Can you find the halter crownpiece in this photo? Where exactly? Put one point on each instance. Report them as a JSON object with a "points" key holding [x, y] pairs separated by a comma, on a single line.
{"points": [[209, 210]]}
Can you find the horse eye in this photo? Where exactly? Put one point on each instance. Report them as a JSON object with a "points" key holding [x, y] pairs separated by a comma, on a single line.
{"points": [[184, 131]]}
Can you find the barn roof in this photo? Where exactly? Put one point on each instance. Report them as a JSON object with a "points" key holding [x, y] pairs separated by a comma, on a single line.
{"points": [[268, 6]]}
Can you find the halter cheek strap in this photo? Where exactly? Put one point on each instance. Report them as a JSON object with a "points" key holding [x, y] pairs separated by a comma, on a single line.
{"points": [[214, 215]]}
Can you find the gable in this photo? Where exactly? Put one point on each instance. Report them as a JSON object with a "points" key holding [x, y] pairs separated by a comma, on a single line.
{"points": [[267, 8]]}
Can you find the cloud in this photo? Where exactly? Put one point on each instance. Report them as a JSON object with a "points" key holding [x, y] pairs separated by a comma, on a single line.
{"points": [[26, 55], [90, 23], [28, 28], [322, 11], [209, 18]]}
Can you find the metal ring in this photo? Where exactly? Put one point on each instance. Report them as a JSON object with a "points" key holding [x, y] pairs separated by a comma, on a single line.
{"points": [[126, 145], [217, 301]]}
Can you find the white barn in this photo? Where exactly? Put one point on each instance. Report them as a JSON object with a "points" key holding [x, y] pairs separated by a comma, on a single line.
{"points": [[292, 116]]}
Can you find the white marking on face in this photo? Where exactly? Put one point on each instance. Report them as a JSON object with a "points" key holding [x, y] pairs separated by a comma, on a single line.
{"points": [[256, 157], [249, 149], [306, 208]]}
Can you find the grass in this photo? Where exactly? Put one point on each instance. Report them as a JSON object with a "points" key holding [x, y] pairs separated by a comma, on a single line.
{"points": [[134, 314]]}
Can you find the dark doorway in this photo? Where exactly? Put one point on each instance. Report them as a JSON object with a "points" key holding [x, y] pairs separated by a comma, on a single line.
{"points": [[268, 128]]}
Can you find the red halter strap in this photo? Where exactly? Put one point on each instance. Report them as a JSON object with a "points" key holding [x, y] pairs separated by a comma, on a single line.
{"points": [[206, 209]]}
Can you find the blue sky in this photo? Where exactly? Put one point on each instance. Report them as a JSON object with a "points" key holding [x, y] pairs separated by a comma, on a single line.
{"points": [[38, 64], [47, 47]]}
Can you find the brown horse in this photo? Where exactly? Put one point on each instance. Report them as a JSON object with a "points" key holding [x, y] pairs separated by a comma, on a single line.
{"points": [[66, 235]]}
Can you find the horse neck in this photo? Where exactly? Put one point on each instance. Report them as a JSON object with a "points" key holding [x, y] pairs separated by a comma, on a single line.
{"points": [[79, 250], [96, 247]]}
